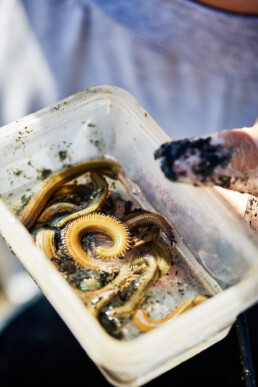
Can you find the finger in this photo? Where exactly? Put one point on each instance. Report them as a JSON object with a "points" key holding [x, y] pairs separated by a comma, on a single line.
{"points": [[251, 213], [228, 159], [238, 201]]}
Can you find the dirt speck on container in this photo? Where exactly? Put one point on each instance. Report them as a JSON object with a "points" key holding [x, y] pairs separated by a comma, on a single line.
{"points": [[62, 154], [43, 173]]}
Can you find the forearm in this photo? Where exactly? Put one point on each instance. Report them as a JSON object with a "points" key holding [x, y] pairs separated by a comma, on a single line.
{"points": [[248, 7]]}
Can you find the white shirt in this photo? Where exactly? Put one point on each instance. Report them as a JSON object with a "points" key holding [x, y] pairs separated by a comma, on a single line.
{"points": [[194, 69]]}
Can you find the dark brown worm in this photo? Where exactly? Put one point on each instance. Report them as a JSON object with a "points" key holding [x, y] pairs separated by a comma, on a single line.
{"points": [[149, 218]]}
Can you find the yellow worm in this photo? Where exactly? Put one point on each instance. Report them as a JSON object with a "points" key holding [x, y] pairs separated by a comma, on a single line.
{"points": [[45, 240], [145, 323], [97, 299], [149, 266], [144, 237], [71, 238], [56, 208], [102, 192], [148, 218], [37, 202], [163, 256]]}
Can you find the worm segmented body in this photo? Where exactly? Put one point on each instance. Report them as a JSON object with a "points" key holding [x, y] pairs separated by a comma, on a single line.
{"points": [[145, 323], [74, 231], [98, 299], [148, 268], [55, 209], [101, 189], [148, 218], [45, 240]]}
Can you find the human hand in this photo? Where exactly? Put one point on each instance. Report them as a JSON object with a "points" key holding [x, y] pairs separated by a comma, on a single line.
{"points": [[228, 160]]}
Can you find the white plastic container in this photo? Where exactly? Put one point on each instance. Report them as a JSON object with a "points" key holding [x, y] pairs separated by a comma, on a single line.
{"points": [[215, 243]]}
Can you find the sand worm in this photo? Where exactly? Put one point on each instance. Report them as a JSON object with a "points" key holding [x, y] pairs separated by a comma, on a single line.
{"points": [[71, 239], [148, 268], [55, 209], [148, 218], [101, 193], [156, 262], [96, 300], [37, 202], [147, 234], [45, 239], [163, 256], [145, 323]]}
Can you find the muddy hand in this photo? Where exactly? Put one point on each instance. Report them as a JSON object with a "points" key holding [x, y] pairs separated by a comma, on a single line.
{"points": [[227, 159]]}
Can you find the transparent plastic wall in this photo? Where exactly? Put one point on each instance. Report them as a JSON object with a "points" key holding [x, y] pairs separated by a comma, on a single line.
{"points": [[95, 127]]}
